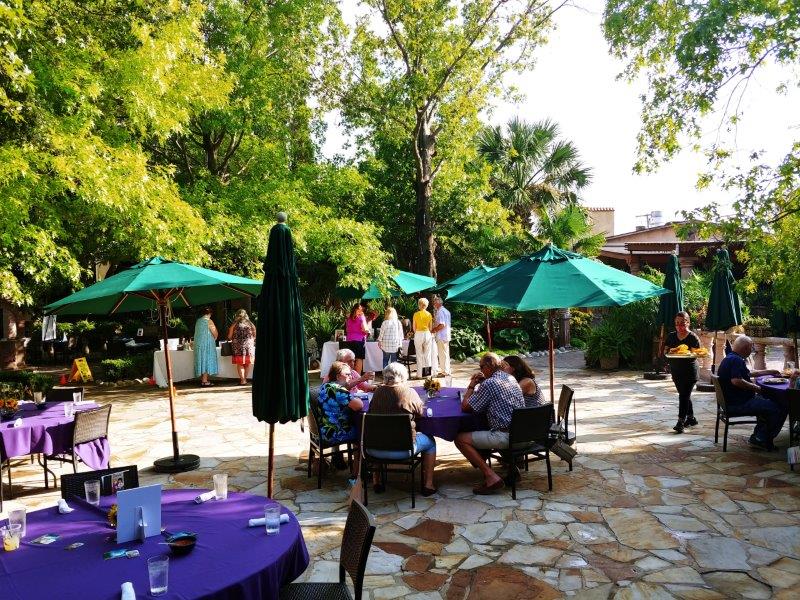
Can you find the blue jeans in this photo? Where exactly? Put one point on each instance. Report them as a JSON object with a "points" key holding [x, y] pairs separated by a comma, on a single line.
{"points": [[423, 443], [389, 357], [771, 415]]}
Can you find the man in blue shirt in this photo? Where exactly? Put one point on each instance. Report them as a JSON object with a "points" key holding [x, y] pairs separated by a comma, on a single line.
{"points": [[742, 397]]}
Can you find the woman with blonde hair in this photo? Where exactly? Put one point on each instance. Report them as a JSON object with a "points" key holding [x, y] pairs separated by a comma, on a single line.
{"points": [[421, 325], [390, 338], [242, 334]]}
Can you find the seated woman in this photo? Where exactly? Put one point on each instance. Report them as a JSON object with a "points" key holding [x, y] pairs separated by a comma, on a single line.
{"points": [[396, 397], [356, 382], [337, 408], [514, 365]]}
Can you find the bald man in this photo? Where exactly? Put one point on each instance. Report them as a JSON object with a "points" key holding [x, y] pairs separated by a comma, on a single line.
{"points": [[742, 395]]}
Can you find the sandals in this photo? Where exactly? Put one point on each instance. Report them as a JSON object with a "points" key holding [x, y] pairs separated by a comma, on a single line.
{"points": [[206, 384], [426, 491], [485, 490]]}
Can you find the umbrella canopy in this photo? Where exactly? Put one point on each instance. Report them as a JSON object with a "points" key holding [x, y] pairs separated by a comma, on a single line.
{"points": [[671, 304], [403, 282], [141, 286], [280, 377], [555, 278], [463, 281], [723, 304]]}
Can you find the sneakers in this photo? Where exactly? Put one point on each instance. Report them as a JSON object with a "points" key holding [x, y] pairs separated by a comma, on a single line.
{"points": [[679, 426], [757, 443], [690, 422]]}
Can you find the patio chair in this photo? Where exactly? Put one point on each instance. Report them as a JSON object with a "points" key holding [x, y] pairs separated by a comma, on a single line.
{"points": [[388, 433], [528, 438], [409, 357], [356, 543], [72, 483], [793, 398], [560, 429], [722, 415], [90, 425], [317, 442], [64, 394]]}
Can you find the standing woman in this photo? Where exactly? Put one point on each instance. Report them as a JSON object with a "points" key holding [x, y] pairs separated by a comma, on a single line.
{"points": [[390, 337], [421, 325], [356, 333], [684, 370], [242, 334], [205, 348]]}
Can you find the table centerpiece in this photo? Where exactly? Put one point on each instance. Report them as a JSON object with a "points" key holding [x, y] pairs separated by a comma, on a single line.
{"points": [[432, 387]]}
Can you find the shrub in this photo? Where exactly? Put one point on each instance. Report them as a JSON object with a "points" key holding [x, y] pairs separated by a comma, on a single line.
{"points": [[320, 323], [513, 338], [577, 343], [131, 367], [580, 324], [464, 343], [535, 325], [27, 381], [607, 340]]}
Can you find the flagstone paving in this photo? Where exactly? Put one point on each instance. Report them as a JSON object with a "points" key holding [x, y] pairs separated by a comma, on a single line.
{"points": [[645, 513]]}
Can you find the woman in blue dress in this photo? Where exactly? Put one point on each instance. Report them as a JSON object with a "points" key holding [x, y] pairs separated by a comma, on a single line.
{"points": [[337, 408], [205, 348]]}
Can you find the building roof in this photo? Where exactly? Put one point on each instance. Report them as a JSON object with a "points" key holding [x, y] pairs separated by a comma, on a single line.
{"points": [[600, 208]]}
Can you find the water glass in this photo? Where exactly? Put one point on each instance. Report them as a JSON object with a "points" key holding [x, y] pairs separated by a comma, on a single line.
{"points": [[158, 571], [221, 486], [272, 519], [448, 381], [18, 517], [37, 397], [77, 397], [11, 536], [92, 489], [69, 409]]}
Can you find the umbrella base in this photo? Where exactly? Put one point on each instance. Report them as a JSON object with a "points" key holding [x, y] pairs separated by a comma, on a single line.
{"points": [[655, 375], [184, 462], [704, 387]]}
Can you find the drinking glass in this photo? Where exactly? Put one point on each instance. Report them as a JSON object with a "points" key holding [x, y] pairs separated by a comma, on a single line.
{"points": [[69, 409], [18, 517], [37, 397], [10, 535], [77, 397], [221, 486], [272, 518], [448, 380], [158, 571], [92, 489]]}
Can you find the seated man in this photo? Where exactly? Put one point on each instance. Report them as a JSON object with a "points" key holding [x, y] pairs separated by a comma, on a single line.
{"points": [[356, 382], [743, 399], [497, 395]]}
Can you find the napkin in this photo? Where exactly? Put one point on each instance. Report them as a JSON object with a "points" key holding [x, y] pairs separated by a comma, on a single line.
{"points": [[262, 521], [127, 591], [18, 422], [63, 507], [205, 497]]}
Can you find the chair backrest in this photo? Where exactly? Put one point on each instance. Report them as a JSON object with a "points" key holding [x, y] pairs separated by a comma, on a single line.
{"points": [[793, 397], [91, 424], [313, 412], [564, 402], [719, 394], [64, 394], [72, 483], [387, 432], [356, 542], [529, 425], [411, 352]]}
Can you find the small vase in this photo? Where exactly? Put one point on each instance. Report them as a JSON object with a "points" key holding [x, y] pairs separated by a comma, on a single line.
{"points": [[7, 415], [432, 393]]}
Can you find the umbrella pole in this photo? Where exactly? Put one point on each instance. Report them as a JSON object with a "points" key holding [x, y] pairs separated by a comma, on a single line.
{"points": [[488, 329], [271, 461], [551, 352], [714, 354], [175, 463]]}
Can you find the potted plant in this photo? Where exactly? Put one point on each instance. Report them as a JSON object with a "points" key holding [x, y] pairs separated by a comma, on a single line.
{"points": [[757, 327], [40, 385], [607, 344]]}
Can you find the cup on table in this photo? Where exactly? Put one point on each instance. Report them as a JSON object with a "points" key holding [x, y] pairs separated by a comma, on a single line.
{"points": [[158, 572], [448, 381], [272, 519], [11, 536], [18, 517], [92, 489], [77, 397], [69, 409], [221, 486], [37, 397]]}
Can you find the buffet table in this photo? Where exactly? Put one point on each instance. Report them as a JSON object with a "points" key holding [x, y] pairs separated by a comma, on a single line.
{"points": [[373, 359], [183, 366]]}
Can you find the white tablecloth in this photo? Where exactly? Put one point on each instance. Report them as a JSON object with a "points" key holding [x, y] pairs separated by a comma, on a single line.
{"points": [[183, 366], [373, 356]]}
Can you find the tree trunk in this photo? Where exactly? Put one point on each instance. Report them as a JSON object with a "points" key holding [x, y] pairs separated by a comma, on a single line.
{"points": [[423, 187]]}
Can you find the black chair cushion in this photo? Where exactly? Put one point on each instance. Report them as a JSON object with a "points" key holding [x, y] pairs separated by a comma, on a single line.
{"points": [[315, 591]]}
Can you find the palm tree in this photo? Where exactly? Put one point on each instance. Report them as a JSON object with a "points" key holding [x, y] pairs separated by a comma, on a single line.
{"points": [[568, 227], [531, 167]]}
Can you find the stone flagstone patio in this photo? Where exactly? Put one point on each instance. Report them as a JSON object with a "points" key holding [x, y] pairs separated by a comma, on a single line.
{"points": [[646, 513]]}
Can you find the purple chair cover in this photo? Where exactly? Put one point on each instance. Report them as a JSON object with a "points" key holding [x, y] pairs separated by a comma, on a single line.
{"points": [[231, 560], [95, 454]]}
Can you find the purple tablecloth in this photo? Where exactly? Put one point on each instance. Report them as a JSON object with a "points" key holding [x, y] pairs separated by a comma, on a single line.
{"points": [[231, 560], [48, 431], [773, 391], [448, 420]]}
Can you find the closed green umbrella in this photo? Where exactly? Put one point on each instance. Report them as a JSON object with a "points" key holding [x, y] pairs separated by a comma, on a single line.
{"points": [[670, 304], [158, 283], [280, 377], [553, 278], [723, 304]]}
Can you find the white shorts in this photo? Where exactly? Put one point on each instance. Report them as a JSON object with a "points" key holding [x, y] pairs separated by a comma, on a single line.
{"points": [[487, 440]]}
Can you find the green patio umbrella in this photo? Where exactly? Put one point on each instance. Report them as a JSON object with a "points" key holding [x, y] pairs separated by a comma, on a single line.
{"points": [[723, 304], [553, 278], [670, 304], [464, 281], [403, 282], [158, 283], [280, 377]]}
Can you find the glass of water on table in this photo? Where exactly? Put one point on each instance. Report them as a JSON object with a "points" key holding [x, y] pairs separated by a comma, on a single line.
{"points": [[272, 519], [158, 572]]}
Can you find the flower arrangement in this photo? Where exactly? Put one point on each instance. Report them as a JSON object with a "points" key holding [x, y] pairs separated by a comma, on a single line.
{"points": [[8, 405], [432, 386], [112, 515]]}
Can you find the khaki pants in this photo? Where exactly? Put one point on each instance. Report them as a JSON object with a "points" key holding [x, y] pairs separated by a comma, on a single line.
{"points": [[443, 350], [423, 344]]}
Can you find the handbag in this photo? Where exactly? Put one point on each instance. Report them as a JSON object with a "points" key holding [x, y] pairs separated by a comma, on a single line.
{"points": [[563, 450], [225, 349]]}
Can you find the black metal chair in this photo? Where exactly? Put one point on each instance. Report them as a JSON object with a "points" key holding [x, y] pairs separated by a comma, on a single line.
{"points": [[528, 436], [722, 415], [793, 398], [90, 425], [560, 429], [388, 433], [64, 394], [409, 357], [318, 444], [356, 542], [72, 483]]}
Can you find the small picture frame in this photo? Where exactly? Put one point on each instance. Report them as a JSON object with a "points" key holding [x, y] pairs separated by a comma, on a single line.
{"points": [[338, 335], [426, 371], [140, 332]]}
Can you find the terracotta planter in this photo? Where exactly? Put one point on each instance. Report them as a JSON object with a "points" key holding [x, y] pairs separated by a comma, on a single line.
{"points": [[608, 363]]}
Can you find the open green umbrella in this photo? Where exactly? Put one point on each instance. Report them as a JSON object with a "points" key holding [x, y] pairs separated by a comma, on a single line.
{"points": [[280, 377], [723, 304], [158, 283], [670, 304], [403, 283], [553, 278], [464, 281]]}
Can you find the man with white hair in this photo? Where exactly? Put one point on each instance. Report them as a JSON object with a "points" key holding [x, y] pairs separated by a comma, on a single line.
{"points": [[355, 381], [441, 332], [742, 395]]}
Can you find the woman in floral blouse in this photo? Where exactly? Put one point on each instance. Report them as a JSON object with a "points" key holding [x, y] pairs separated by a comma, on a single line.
{"points": [[337, 408]]}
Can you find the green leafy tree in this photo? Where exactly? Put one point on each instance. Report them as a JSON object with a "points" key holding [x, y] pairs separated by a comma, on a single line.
{"points": [[568, 227], [421, 72]]}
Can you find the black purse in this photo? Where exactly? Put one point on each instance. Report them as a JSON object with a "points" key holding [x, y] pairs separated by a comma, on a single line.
{"points": [[225, 349]]}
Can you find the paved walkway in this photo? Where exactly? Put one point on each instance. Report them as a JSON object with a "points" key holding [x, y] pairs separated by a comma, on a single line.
{"points": [[646, 513]]}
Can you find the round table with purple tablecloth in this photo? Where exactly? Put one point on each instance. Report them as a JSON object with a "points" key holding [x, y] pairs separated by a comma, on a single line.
{"points": [[48, 431], [231, 560], [773, 391]]}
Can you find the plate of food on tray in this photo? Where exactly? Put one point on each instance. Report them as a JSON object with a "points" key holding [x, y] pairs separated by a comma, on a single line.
{"points": [[683, 351]]}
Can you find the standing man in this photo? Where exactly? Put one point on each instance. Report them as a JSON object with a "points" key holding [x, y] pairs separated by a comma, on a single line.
{"points": [[442, 332]]}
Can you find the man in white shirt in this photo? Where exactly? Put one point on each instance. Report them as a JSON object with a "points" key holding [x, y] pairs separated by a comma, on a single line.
{"points": [[442, 333]]}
